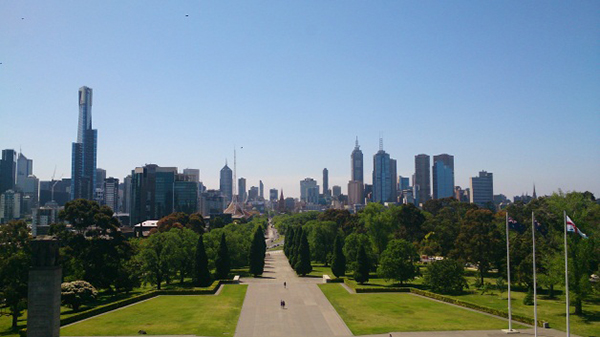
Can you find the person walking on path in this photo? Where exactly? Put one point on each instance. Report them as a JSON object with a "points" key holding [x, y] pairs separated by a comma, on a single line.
{"points": [[284, 284], [283, 304]]}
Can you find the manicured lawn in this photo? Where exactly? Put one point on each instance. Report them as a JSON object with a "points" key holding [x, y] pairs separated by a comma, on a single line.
{"points": [[552, 311], [204, 315], [382, 313]]}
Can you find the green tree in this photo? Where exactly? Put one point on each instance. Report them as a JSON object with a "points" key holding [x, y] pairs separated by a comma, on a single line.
{"points": [[445, 277], [257, 252], [338, 262], [296, 247], [201, 276], [363, 266], [580, 268], [303, 265], [185, 241], [76, 293], [480, 241], [289, 241], [15, 259], [410, 220], [397, 261], [157, 258], [554, 271], [222, 261], [378, 223], [320, 237], [351, 244]]}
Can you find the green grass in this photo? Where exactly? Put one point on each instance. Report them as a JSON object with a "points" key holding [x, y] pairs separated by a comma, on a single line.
{"points": [[186, 315], [382, 313], [550, 310]]}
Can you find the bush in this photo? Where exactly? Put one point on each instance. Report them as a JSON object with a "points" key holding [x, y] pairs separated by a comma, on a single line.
{"points": [[76, 293], [446, 277]]}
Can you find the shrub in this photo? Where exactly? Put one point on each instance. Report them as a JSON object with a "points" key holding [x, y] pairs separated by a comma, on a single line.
{"points": [[76, 293]]}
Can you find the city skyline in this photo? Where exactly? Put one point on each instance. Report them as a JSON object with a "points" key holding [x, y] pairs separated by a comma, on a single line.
{"points": [[517, 96]]}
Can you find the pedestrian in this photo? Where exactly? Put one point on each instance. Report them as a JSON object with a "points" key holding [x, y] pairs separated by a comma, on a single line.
{"points": [[283, 304], [284, 284]]}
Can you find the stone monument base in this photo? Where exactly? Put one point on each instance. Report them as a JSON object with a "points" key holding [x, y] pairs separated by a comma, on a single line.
{"points": [[43, 310]]}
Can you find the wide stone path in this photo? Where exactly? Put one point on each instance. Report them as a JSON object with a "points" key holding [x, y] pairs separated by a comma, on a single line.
{"points": [[307, 311]]}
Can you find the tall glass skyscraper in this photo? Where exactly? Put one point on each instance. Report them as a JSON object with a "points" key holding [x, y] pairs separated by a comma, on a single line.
{"points": [[443, 176], [384, 177], [83, 158], [226, 182], [421, 180], [357, 163]]}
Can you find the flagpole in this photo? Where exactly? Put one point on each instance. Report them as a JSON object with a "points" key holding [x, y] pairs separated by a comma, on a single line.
{"points": [[510, 329], [566, 275], [534, 281]]}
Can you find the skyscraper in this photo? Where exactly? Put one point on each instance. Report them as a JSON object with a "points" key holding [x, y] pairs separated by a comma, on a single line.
{"points": [[226, 182], [273, 194], [384, 176], [242, 193], [27, 184], [325, 181], [152, 192], [482, 189], [8, 170], [83, 158], [261, 190], [421, 181], [356, 162], [443, 176]]}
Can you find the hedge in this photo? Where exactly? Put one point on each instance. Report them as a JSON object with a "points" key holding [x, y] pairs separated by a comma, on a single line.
{"points": [[131, 300]]}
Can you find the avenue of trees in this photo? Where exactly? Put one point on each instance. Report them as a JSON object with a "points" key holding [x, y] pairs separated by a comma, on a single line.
{"points": [[387, 242], [97, 257]]}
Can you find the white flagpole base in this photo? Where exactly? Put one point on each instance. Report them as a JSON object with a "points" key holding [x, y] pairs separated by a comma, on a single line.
{"points": [[510, 331]]}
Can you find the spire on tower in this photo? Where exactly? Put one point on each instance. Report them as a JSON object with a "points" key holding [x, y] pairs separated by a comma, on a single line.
{"points": [[356, 146], [534, 194], [380, 143]]}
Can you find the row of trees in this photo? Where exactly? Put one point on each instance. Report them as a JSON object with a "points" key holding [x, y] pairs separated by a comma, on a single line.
{"points": [[393, 238], [95, 251]]}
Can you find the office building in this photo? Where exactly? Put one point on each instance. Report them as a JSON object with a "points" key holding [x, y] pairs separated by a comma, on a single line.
{"points": [[193, 174], [273, 194], [185, 192], [482, 189], [43, 217], [151, 192], [226, 182], [111, 193], [100, 177], [384, 177], [306, 185], [8, 170], [242, 194], [403, 183], [58, 191], [337, 191], [212, 202], [27, 184], [356, 164], [126, 201], [253, 194], [422, 178], [83, 158], [356, 193], [443, 176]]}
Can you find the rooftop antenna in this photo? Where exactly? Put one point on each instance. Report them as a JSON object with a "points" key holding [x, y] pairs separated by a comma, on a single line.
{"points": [[233, 194], [380, 143], [356, 143]]}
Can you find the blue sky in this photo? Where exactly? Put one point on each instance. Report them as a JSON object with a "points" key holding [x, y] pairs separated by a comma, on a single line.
{"points": [[511, 87]]}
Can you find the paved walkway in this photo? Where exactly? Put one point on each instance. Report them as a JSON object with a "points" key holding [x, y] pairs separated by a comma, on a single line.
{"points": [[307, 312]]}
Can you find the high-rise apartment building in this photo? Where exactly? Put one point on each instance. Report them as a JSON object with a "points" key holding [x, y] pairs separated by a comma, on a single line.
{"points": [[253, 193], [242, 194], [325, 181], [482, 189], [126, 201], [443, 176], [356, 193], [8, 170], [193, 174], [421, 179], [384, 177], [356, 162], [83, 159], [226, 183], [10, 206], [336, 190], [403, 183], [212, 202]]}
